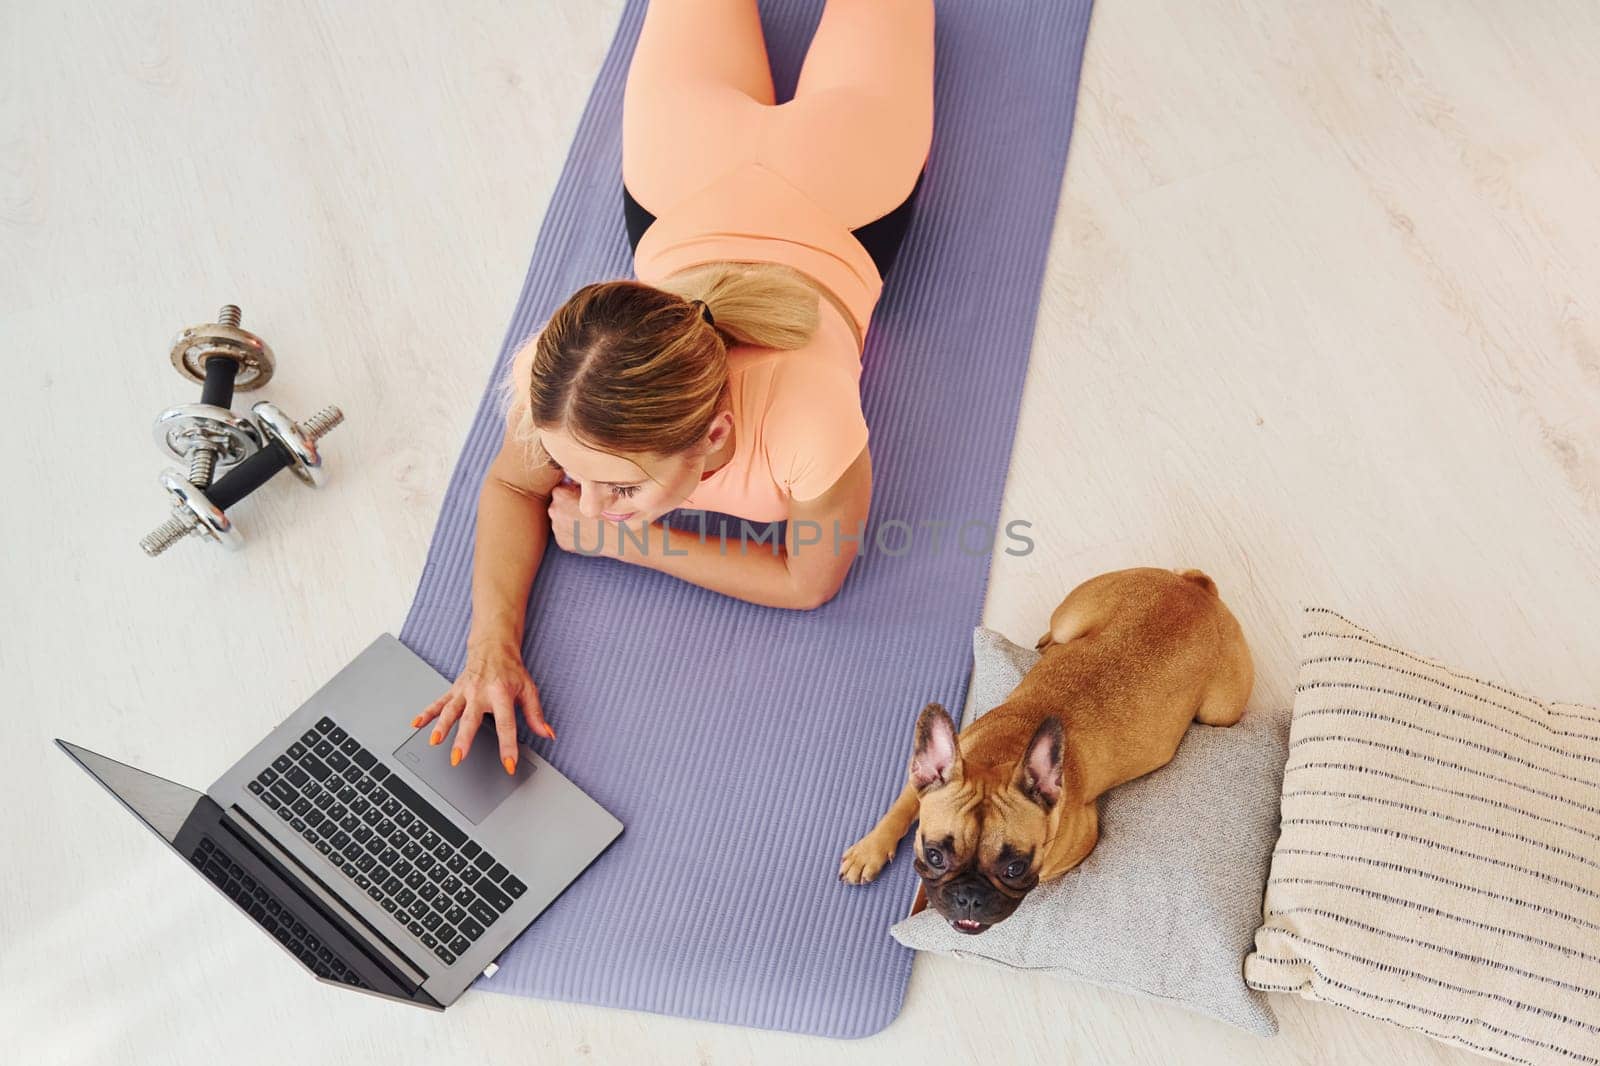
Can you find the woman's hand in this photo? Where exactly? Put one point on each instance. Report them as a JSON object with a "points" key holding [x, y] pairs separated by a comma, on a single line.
{"points": [[492, 683], [594, 536]]}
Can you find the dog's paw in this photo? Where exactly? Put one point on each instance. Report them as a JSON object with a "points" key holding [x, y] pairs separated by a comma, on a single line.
{"points": [[864, 860]]}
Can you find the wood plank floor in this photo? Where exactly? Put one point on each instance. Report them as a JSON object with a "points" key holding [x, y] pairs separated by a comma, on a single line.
{"points": [[1320, 319]]}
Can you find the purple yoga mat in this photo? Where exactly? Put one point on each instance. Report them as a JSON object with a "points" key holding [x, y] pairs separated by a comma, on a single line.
{"points": [[744, 747]]}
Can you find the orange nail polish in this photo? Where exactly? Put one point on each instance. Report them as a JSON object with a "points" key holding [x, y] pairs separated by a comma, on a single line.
{"points": [[455, 756], [416, 721], [510, 765], [435, 738]]}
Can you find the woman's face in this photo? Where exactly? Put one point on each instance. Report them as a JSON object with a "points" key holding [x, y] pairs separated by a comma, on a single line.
{"points": [[618, 487]]}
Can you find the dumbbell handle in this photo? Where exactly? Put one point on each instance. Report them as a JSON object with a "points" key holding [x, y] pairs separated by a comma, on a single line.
{"points": [[274, 455], [249, 475], [221, 372], [218, 387]]}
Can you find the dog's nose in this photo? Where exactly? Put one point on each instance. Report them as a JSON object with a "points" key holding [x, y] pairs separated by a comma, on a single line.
{"points": [[964, 896]]}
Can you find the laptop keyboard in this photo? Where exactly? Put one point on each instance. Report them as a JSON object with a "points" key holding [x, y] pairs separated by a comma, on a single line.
{"points": [[435, 882], [270, 913]]}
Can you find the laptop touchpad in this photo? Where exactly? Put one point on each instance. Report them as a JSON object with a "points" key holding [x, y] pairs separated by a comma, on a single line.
{"points": [[479, 783]]}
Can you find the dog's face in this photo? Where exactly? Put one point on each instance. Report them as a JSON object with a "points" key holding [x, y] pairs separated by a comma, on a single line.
{"points": [[982, 829]]}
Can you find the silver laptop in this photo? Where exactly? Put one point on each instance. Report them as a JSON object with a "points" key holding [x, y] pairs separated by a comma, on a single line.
{"points": [[355, 844]]}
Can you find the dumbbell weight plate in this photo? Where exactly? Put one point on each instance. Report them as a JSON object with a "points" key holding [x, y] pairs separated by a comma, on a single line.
{"points": [[180, 428], [304, 458], [213, 340], [212, 523]]}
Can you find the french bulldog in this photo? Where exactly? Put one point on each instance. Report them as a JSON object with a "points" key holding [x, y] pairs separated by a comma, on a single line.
{"points": [[1130, 659]]}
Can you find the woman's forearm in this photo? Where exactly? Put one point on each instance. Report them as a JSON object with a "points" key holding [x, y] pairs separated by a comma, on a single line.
{"points": [[513, 530], [755, 574]]}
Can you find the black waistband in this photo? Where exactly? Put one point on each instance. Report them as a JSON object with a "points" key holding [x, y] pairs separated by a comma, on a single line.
{"points": [[881, 237]]}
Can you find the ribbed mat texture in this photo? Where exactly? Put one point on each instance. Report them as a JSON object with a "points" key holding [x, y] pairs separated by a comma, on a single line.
{"points": [[744, 747]]}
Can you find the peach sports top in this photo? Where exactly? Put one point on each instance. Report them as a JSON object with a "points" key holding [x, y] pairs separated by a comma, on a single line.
{"points": [[797, 414], [797, 424]]}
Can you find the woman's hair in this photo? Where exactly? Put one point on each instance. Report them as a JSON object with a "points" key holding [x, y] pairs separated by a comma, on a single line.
{"points": [[631, 368]]}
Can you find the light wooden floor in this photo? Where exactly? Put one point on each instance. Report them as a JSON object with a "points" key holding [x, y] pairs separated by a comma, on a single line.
{"points": [[1320, 319]]}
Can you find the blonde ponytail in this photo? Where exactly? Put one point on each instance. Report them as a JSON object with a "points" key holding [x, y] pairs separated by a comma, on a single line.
{"points": [[768, 305]]}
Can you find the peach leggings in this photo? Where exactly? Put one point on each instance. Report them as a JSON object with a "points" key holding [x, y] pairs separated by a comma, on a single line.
{"points": [[699, 106]]}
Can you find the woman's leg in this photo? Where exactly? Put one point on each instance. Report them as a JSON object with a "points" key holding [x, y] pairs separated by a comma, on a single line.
{"points": [[857, 133], [698, 84]]}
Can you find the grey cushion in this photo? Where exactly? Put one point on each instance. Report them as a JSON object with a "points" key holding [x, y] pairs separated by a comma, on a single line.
{"points": [[1167, 904]]}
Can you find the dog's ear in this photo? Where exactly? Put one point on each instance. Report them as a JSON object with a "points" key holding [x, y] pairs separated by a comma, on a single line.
{"points": [[935, 758], [1038, 772]]}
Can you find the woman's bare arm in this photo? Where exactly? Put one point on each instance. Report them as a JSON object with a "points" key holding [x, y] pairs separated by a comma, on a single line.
{"points": [[802, 574], [513, 530]]}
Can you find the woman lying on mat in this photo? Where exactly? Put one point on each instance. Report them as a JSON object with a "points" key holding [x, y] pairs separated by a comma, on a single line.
{"points": [[727, 378]]}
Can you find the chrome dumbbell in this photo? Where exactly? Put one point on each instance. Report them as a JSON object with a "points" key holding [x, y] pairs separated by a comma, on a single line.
{"points": [[223, 359], [200, 510]]}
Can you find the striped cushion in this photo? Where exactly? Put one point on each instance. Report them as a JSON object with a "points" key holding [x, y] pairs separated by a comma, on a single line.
{"points": [[1438, 856]]}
